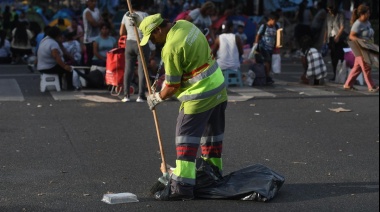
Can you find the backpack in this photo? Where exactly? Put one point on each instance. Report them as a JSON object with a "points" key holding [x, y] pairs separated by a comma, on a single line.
{"points": [[265, 29], [94, 79]]}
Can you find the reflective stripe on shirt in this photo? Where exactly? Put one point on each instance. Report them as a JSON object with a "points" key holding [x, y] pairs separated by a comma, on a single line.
{"points": [[203, 75]]}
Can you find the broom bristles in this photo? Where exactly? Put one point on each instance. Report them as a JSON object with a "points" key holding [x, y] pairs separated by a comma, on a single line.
{"points": [[158, 186]]}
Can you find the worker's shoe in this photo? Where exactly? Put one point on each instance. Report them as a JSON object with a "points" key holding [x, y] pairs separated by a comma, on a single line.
{"points": [[176, 191]]}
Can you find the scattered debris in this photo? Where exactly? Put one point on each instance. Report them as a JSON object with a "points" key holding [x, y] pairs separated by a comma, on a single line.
{"points": [[119, 198], [338, 103], [340, 109], [303, 163]]}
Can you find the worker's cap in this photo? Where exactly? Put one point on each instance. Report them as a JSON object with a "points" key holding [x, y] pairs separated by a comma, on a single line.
{"points": [[148, 25]]}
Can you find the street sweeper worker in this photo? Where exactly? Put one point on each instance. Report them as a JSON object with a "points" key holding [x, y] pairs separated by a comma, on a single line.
{"points": [[193, 76]]}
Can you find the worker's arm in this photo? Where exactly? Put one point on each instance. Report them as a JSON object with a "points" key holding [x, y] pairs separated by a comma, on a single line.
{"points": [[168, 92]]}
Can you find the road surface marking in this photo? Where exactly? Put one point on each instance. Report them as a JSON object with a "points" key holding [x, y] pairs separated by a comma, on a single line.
{"points": [[10, 91]]}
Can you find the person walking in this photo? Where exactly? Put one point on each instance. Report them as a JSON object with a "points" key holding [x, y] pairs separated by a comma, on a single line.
{"points": [[132, 54], [303, 18], [194, 77], [335, 36], [91, 23], [317, 25], [265, 43], [361, 29], [228, 48]]}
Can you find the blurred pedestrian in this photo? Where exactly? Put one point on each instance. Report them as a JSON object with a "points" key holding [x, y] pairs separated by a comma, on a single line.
{"points": [[92, 22], [228, 48], [73, 48], [304, 18], [315, 70], [265, 44], [335, 36], [201, 17], [50, 57], [132, 53], [21, 46], [361, 29], [318, 24], [102, 44], [77, 29], [5, 48], [7, 17], [240, 32]]}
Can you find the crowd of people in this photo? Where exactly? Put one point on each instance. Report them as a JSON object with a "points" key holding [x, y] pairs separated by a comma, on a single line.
{"points": [[87, 39]]}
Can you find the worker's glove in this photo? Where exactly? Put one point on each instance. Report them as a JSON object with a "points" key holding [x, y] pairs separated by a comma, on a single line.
{"points": [[134, 18], [252, 53], [153, 100]]}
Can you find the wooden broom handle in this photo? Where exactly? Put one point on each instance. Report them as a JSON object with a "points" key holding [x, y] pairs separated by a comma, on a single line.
{"points": [[150, 92]]}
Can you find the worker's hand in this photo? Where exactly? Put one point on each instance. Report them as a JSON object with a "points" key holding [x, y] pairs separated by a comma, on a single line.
{"points": [[134, 18], [252, 53], [153, 100]]}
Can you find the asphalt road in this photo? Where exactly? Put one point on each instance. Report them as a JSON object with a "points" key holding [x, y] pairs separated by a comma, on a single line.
{"points": [[60, 153]]}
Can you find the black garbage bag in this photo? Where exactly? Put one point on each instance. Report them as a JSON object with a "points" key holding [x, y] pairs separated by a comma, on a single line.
{"points": [[95, 79], [255, 182]]}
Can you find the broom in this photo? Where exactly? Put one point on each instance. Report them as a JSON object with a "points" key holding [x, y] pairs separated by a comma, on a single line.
{"points": [[164, 179]]}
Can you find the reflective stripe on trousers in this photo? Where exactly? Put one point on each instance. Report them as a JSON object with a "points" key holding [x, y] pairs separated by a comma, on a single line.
{"points": [[204, 129]]}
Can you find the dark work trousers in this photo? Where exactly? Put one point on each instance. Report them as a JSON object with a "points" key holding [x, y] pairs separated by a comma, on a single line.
{"points": [[132, 55], [90, 53], [57, 69], [204, 129], [337, 53]]}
